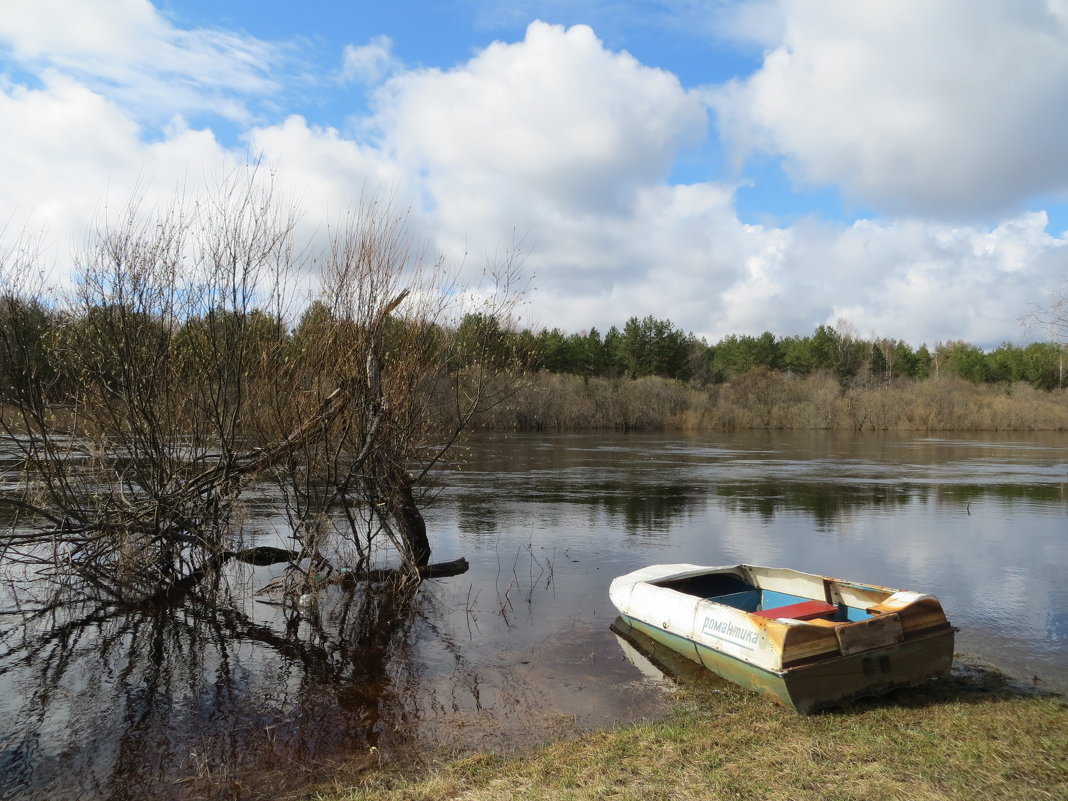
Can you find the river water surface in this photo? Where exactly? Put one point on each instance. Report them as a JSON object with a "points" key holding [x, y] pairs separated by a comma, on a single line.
{"points": [[248, 700]]}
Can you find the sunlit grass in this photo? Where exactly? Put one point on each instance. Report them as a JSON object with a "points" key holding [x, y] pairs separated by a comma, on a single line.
{"points": [[950, 740]]}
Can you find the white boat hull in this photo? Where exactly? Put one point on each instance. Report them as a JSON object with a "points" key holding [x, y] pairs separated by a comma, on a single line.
{"points": [[874, 640]]}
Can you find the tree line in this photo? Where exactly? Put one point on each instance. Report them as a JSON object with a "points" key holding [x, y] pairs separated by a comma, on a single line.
{"points": [[655, 347], [47, 353]]}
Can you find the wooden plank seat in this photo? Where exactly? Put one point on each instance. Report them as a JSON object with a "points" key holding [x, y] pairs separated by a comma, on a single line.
{"points": [[806, 610]]}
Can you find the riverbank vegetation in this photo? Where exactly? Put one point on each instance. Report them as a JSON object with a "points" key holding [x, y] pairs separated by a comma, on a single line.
{"points": [[650, 375], [967, 739], [479, 373], [769, 399]]}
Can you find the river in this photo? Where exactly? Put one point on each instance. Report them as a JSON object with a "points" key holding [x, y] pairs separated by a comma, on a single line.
{"points": [[247, 700]]}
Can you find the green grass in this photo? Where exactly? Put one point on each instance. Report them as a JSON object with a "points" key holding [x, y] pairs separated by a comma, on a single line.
{"points": [[952, 739]]}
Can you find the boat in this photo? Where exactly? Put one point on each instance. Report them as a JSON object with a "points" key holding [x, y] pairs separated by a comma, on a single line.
{"points": [[808, 641]]}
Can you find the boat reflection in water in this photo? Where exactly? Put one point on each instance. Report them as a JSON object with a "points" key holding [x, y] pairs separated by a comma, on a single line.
{"points": [[660, 665]]}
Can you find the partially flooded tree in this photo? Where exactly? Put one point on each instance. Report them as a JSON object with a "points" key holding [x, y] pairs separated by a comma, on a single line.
{"points": [[377, 382], [143, 404]]}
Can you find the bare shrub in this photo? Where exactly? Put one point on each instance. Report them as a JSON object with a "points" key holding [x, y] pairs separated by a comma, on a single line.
{"points": [[170, 383], [767, 399], [757, 397]]}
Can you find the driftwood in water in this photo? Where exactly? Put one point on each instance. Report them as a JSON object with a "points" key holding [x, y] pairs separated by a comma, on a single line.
{"points": [[174, 592], [263, 555], [349, 578], [436, 570]]}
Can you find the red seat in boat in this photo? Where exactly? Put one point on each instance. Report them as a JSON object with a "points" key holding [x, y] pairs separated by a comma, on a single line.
{"points": [[806, 610]]}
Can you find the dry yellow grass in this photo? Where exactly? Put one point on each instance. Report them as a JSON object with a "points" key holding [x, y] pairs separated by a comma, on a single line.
{"points": [[773, 400], [950, 740]]}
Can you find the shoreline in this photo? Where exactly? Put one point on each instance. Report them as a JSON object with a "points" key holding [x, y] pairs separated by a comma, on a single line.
{"points": [[977, 733]]}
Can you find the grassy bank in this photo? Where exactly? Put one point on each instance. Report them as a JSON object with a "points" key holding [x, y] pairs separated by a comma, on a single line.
{"points": [[953, 739]]}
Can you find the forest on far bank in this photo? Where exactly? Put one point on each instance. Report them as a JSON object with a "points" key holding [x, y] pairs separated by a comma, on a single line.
{"points": [[651, 375], [653, 347]]}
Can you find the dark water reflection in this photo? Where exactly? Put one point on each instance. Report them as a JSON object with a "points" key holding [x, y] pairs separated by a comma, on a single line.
{"points": [[243, 700], [198, 699]]}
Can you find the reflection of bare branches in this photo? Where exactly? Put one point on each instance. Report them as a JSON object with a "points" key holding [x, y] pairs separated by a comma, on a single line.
{"points": [[160, 685]]}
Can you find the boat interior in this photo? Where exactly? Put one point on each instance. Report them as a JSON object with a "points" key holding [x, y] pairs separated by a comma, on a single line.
{"points": [[774, 593]]}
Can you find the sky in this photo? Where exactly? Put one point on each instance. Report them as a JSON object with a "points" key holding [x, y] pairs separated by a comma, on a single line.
{"points": [[896, 167]]}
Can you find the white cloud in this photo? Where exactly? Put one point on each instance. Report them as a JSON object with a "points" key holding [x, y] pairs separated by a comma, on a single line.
{"points": [[370, 63], [556, 121], [569, 145], [553, 140], [693, 262], [561, 143], [79, 152], [921, 281], [322, 166], [127, 51], [949, 108], [114, 30]]}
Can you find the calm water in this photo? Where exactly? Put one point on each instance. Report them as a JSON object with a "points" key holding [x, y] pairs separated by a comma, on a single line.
{"points": [[242, 701]]}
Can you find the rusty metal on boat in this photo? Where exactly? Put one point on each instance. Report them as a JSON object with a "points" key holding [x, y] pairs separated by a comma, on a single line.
{"points": [[807, 641]]}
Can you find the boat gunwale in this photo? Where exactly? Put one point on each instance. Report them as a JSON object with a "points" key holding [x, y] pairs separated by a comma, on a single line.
{"points": [[746, 572]]}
